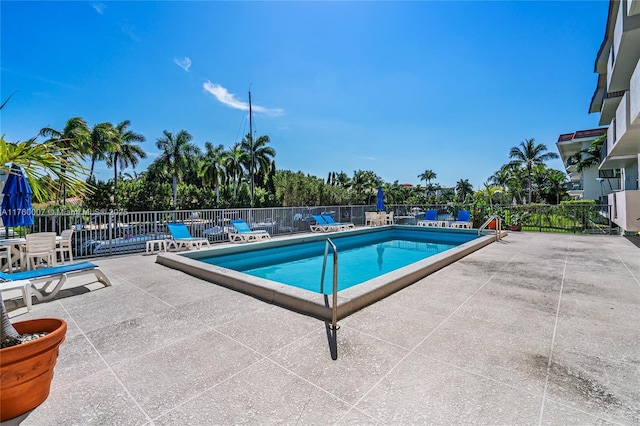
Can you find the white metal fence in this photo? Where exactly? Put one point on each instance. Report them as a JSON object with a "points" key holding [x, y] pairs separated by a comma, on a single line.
{"points": [[105, 233]]}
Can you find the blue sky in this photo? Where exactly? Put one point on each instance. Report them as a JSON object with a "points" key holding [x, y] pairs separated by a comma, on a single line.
{"points": [[392, 87]]}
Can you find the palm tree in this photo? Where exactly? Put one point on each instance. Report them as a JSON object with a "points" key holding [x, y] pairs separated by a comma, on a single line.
{"points": [[37, 160], [427, 176], [234, 162], [100, 142], [590, 157], [556, 184], [124, 152], [211, 168], [364, 183], [528, 155], [260, 157], [463, 187], [178, 154], [72, 140]]}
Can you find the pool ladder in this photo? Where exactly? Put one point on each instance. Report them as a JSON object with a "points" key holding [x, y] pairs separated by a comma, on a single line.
{"points": [[498, 226], [334, 316]]}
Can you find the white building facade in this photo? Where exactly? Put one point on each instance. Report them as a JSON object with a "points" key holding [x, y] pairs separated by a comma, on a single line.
{"points": [[617, 100], [587, 184]]}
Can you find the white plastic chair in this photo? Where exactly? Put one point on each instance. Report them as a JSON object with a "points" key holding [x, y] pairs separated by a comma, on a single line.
{"points": [[64, 245], [40, 247]]}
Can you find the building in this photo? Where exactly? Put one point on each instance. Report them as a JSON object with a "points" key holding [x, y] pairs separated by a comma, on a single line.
{"points": [[617, 99], [586, 184]]}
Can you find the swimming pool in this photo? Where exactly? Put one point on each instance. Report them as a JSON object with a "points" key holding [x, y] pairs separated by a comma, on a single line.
{"points": [[361, 257], [223, 265]]}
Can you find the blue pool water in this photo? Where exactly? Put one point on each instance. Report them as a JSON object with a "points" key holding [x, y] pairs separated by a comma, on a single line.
{"points": [[361, 257]]}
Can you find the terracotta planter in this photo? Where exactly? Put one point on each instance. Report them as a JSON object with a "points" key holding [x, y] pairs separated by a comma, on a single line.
{"points": [[493, 224], [515, 227], [26, 370]]}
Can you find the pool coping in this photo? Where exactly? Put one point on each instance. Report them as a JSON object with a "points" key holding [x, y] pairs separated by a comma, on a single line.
{"points": [[310, 303]]}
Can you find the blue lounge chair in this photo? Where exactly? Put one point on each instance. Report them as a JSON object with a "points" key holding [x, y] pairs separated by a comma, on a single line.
{"points": [[430, 219], [463, 221], [322, 225], [344, 225], [182, 238], [244, 234], [53, 278]]}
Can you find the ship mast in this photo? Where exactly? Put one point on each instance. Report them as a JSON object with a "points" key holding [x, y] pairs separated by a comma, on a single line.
{"points": [[251, 148]]}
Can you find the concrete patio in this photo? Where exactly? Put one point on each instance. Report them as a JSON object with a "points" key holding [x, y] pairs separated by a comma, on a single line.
{"points": [[535, 329]]}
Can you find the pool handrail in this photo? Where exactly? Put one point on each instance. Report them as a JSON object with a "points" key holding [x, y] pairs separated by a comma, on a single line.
{"points": [[498, 226], [334, 307]]}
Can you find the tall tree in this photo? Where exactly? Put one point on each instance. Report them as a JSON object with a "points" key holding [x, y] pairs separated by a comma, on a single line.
{"points": [[590, 157], [427, 176], [72, 140], [124, 152], [234, 162], [100, 141], [463, 187], [260, 156], [212, 167], [178, 155], [529, 154]]}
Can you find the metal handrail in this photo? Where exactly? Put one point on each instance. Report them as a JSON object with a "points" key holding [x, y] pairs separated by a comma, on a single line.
{"points": [[498, 226], [334, 316]]}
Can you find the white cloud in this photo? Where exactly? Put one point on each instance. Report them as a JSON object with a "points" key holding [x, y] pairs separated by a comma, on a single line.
{"points": [[99, 7], [229, 99], [184, 63]]}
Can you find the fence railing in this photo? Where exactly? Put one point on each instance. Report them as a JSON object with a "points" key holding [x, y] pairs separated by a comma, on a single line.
{"points": [[120, 232]]}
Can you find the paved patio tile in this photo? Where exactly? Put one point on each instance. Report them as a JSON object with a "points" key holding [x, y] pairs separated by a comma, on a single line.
{"points": [[227, 305], [361, 362], [171, 375], [270, 328], [424, 391], [599, 386], [77, 359], [137, 336], [503, 357], [98, 399], [404, 327], [97, 314], [508, 316], [601, 329], [261, 394], [559, 414]]}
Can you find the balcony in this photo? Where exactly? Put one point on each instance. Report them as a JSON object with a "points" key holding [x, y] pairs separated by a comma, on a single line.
{"points": [[622, 138], [634, 96], [624, 52], [610, 102], [625, 207]]}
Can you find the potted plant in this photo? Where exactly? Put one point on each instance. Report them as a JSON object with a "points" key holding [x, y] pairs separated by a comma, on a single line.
{"points": [[516, 221], [27, 362], [26, 367]]}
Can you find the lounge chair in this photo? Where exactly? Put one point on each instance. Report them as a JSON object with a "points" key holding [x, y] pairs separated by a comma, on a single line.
{"points": [[182, 238], [430, 219], [322, 225], [53, 278], [343, 225], [244, 234], [463, 220]]}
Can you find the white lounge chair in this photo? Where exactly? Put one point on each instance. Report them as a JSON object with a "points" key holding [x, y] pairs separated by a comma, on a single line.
{"points": [[244, 234], [343, 225], [463, 220], [182, 238], [53, 279]]}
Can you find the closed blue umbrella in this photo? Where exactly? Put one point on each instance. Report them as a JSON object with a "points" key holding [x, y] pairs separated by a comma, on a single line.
{"points": [[380, 202], [16, 202]]}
